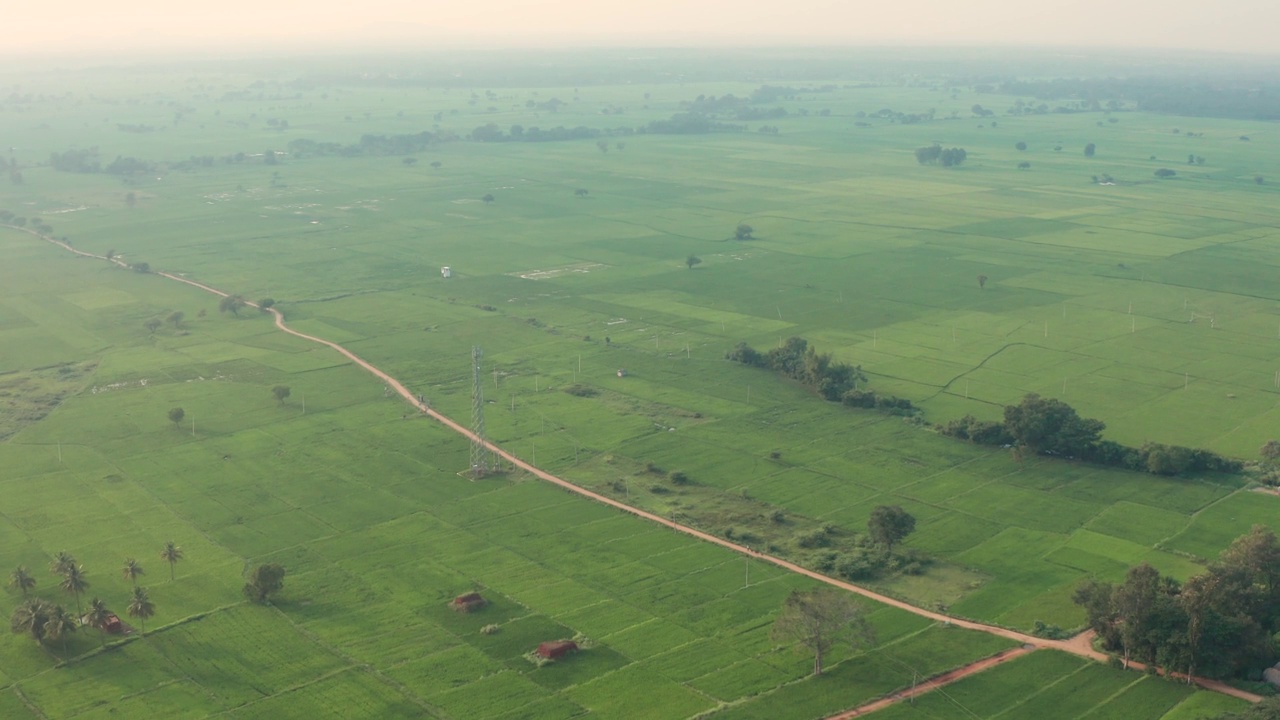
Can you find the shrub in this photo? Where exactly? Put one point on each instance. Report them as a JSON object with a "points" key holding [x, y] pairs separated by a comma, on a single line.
{"points": [[678, 478], [580, 390]]}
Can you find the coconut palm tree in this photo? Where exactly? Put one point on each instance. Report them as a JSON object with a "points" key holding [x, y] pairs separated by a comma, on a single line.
{"points": [[61, 562], [131, 570], [141, 607], [74, 582], [97, 616], [59, 625], [171, 554], [29, 618], [21, 579]]}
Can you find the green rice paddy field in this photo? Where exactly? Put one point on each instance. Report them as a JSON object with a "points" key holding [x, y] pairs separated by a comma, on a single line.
{"points": [[858, 249]]}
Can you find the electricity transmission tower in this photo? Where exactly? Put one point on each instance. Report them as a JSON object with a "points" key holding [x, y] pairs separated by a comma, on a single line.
{"points": [[480, 460]]}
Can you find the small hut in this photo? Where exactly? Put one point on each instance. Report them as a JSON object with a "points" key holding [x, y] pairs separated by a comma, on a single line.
{"points": [[470, 602], [446, 272], [557, 649]]}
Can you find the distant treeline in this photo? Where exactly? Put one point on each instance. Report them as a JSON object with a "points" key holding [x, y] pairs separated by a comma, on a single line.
{"points": [[1256, 98], [1036, 425], [87, 161]]}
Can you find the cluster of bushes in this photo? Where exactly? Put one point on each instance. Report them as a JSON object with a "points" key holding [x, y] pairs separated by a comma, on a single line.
{"points": [[86, 161], [867, 561], [834, 381], [1048, 426]]}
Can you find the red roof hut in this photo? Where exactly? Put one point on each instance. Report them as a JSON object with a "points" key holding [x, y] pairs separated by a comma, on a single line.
{"points": [[467, 603], [558, 649]]}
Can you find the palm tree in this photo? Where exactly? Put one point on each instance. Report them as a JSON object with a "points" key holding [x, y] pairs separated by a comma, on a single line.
{"points": [[61, 562], [171, 554], [131, 570], [59, 625], [141, 607], [73, 581], [21, 579], [98, 615], [30, 617]]}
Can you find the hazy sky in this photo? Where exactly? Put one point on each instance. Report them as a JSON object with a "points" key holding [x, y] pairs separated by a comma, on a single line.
{"points": [[61, 25]]}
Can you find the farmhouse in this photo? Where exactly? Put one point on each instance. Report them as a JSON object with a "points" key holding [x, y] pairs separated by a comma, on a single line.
{"points": [[558, 649], [468, 603]]}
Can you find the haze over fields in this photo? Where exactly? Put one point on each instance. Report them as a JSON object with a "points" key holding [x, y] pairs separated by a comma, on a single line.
{"points": [[149, 25]]}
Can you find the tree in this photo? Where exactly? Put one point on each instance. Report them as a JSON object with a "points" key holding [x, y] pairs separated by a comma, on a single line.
{"points": [[171, 554], [580, 192], [1270, 451], [131, 199], [30, 617], [929, 154], [141, 607], [141, 267], [98, 616], [175, 318], [888, 524], [61, 562], [692, 260], [1048, 425], [1024, 165], [982, 282], [59, 624], [818, 620], [488, 198], [1165, 173], [132, 570], [603, 145], [231, 304], [74, 582], [265, 579], [281, 392], [436, 164], [1258, 179], [743, 232], [1090, 149], [110, 256], [21, 580], [152, 325], [1021, 146], [266, 304]]}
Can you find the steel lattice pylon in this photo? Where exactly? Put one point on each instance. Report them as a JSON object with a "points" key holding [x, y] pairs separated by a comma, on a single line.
{"points": [[480, 459]]}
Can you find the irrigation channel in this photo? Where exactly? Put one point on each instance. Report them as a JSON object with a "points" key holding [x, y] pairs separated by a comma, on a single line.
{"points": [[1081, 644]]}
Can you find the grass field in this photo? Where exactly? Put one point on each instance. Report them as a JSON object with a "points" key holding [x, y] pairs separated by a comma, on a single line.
{"points": [[1147, 304]]}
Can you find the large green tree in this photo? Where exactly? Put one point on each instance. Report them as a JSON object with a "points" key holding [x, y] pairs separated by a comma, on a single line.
{"points": [[889, 524], [1048, 425], [132, 570], [59, 625], [818, 620], [265, 580]]}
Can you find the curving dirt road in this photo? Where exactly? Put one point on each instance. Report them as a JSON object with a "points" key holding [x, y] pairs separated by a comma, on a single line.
{"points": [[1080, 645]]}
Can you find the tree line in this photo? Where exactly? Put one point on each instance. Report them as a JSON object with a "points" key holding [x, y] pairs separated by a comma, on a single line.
{"points": [[1218, 624], [1048, 426], [832, 380]]}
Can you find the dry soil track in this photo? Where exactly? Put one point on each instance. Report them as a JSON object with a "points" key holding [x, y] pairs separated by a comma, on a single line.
{"points": [[1079, 645]]}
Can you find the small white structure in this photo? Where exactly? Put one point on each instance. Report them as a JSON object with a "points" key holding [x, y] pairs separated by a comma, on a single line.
{"points": [[622, 372], [446, 271]]}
